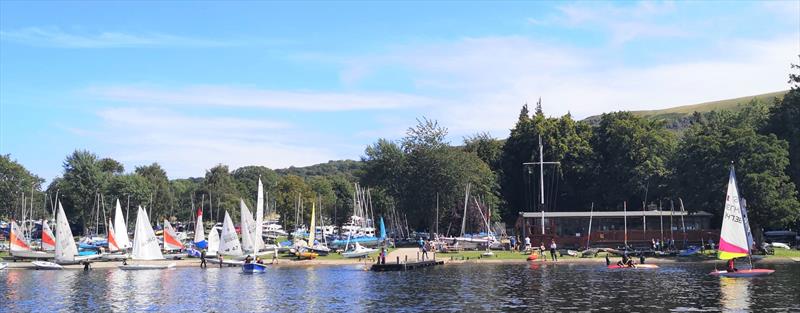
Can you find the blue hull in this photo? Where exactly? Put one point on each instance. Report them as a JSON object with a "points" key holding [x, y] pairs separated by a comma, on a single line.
{"points": [[254, 268]]}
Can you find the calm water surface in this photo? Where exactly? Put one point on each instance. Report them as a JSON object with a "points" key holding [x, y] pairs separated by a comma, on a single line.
{"points": [[469, 288]]}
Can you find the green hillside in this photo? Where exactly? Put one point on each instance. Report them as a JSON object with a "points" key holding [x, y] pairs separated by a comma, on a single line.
{"points": [[677, 117]]}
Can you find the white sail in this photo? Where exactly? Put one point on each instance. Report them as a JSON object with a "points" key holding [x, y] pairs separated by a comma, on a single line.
{"points": [[213, 241], [733, 241], [112, 241], [313, 229], [66, 250], [145, 243], [259, 241], [121, 229], [171, 241], [229, 243], [48, 238], [199, 232], [246, 227]]}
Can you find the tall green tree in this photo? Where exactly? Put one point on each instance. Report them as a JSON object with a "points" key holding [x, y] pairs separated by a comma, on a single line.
{"points": [[784, 122], [16, 181], [222, 192], [486, 147], [705, 155], [631, 156], [247, 182], [288, 192], [82, 181], [162, 204]]}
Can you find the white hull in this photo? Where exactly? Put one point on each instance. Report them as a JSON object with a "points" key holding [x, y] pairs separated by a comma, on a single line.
{"points": [[175, 256], [138, 267], [30, 254], [226, 262], [268, 253], [43, 265], [79, 259], [3, 266], [115, 257]]}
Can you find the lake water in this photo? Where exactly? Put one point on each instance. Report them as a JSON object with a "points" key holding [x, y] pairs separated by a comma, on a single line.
{"points": [[455, 288]]}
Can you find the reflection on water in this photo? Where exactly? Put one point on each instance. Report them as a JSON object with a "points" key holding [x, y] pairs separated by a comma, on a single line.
{"points": [[470, 288], [735, 293]]}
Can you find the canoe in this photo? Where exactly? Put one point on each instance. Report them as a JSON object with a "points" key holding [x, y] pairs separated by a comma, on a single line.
{"points": [[638, 267], [44, 265], [136, 267], [743, 273], [254, 268]]}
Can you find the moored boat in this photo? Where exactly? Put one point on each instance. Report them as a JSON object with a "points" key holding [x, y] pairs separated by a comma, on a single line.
{"points": [[635, 267], [743, 273], [254, 268], [44, 265], [136, 267]]}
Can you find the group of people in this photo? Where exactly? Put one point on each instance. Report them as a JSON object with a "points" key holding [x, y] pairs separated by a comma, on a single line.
{"points": [[658, 245], [248, 259], [515, 245], [425, 246]]}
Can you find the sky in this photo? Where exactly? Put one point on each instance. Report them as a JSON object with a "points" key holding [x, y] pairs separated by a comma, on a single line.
{"points": [[193, 84]]}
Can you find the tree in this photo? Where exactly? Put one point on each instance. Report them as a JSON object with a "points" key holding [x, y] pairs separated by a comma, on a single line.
{"points": [[427, 135], [343, 190], [289, 190], [247, 182], [631, 156], [325, 198], [384, 164], [486, 147], [16, 180], [82, 181], [705, 154], [784, 122], [110, 166], [163, 201], [222, 192]]}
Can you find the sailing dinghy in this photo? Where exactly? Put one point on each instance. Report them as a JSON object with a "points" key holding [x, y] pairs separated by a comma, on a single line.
{"points": [[635, 267], [735, 238], [44, 265], [358, 252], [66, 249], [145, 245], [171, 242], [228, 244], [20, 249]]}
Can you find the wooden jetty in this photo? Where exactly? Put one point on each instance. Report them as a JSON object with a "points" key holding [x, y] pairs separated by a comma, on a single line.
{"points": [[398, 260]]}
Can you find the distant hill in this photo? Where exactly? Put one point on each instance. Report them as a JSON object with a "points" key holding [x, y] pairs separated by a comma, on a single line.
{"points": [[678, 117], [348, 168]]}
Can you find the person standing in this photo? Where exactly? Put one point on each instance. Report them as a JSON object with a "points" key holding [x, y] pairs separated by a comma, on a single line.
{"points": [[541, 251], [553, 249], [513, 243], [203, 259], [527, 243]]}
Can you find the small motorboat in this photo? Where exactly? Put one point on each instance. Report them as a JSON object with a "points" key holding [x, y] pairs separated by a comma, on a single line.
{"points": [[743, 273], [635, 267], [136, 267], [44, 265], [254, 268]]}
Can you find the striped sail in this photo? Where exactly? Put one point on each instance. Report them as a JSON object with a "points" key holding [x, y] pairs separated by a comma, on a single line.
{"points": [[112, 241], [48, 239], [171, 241], [199, 233], [733, 241], [18, 242]]}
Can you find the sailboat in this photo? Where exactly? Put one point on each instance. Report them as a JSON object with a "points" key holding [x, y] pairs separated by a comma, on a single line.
{"points": [[313, 244], [48, 239], [253, 266], [250, 243], [171, 242], [229, 242], [145, 245], [20, 249], [115, 249], [66, 250], [735, 238], [471, 242], [304, 252], [359, 251], [121, 229]]}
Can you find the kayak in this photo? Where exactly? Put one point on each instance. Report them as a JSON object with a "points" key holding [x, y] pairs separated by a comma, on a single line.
{"points": [[637, 267], [743, 273], [254, 268]]}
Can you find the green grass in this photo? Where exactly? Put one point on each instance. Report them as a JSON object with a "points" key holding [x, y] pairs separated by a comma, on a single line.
{"points": [[3, 254], [498, 255], [783, 253]]}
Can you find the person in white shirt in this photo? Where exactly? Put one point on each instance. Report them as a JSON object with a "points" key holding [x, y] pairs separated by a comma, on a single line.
{"points": [[553, 249]]}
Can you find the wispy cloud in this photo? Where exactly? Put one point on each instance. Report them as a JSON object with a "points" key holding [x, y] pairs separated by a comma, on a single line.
{"points": [[58, 38], [187, 144], [624, 22], [227, 96]]}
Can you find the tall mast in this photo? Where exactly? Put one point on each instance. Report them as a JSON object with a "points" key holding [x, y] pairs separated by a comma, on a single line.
{"points": [[541, 164], [464, 217]]}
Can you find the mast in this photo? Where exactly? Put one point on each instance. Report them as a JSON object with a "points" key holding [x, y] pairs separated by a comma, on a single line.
{"points": [[661, 219], [644, 222], [625, 217], [589, 237], [464, 217], [541, 164], [671, 213], [436, 222], [683, 225]]}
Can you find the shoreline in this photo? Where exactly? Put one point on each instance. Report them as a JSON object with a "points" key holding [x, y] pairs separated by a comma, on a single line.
{"points": [[185, 263]]}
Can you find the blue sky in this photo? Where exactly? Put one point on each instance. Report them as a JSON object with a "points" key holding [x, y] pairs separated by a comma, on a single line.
{"points": [[193, 84]]}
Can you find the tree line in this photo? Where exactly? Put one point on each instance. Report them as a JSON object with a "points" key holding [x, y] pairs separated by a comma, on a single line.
{"points": [[620, 158]]}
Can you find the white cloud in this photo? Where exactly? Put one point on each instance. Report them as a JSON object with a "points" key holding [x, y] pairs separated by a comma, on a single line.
{"points": [[55, 37], [624, 23], [486, 80], [226, 96], [186, 145]]}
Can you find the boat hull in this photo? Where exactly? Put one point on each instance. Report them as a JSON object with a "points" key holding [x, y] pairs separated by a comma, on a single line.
{"points": [[3, 266], [30, 254], [44, 265], [743, 273], [140, 267], [226, 262], [254, 268], [638, 267], [79, 259]]}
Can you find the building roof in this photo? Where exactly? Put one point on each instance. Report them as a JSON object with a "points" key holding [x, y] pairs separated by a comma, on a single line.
{"points": [[613, 214]]}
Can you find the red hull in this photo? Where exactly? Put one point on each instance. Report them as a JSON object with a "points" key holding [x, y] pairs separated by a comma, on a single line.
{"points": [[743, 273], [638, 267]]}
